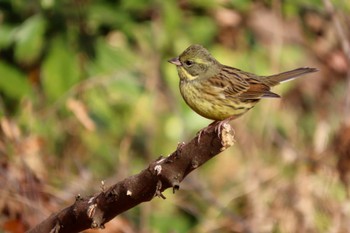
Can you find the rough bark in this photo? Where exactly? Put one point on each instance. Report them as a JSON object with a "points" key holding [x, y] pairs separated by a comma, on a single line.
{"points": [[163, 173]]}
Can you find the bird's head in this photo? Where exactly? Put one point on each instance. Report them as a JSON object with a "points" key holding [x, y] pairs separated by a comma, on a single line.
{"points": [[196, 62]]}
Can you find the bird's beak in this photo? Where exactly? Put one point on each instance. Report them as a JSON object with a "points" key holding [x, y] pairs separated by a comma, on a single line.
{"points": [[175, 61]]}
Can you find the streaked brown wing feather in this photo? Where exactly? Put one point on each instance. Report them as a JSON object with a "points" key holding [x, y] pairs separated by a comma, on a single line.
{"points": [[234, 83], [257, 89], [230, 83]]}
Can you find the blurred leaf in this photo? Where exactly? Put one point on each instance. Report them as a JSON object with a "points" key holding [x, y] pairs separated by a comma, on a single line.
{"points": [[6, 35], [60, 70], [101, 13], [109, 59], [29, 39], [171, 17], [112, 101], [241, 5], [160, 222], [202, 29], [136, 5], [203, 3], [12, 82]]}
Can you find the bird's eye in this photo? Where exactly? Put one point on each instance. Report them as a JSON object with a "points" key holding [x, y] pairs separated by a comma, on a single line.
{"points": [[188, 63]]}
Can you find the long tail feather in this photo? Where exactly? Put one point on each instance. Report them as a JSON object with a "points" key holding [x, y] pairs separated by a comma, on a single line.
{"points": [[288, 75]]}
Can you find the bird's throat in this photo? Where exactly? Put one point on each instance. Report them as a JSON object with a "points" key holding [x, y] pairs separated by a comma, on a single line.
{"points": [[185, 75]]}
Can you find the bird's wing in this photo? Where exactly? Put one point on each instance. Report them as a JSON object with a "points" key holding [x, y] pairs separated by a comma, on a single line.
{"points": [[234, 83], [257, 90], [228, 83]]}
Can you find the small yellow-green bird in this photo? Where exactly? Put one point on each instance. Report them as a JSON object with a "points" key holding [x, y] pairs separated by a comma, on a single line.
{"points": [[223, 93]]}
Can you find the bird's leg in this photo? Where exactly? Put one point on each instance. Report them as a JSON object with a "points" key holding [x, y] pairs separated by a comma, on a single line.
{"points": [[205, 129], [218, 127], [220, 124]]}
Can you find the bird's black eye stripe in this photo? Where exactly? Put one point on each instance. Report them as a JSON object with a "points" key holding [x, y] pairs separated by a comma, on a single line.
{"points": [[188, 63]]}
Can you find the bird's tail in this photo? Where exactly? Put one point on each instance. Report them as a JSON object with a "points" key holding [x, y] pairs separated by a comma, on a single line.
{"points": [[288, 75]]}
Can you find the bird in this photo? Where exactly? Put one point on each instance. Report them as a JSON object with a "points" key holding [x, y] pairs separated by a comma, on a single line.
{"points": [[223, 93]]}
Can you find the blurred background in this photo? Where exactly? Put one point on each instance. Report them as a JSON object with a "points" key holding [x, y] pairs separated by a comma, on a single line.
{"points": [[86, 94]]}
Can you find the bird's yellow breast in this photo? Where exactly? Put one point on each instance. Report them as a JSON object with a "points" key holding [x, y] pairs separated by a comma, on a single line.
{"points": [[211, 103]]}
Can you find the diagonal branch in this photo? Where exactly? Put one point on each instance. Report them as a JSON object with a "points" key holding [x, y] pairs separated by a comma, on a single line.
{"points": [[164, 173]]}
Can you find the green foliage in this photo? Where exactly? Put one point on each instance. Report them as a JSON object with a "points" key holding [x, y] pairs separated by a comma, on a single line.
{"points": [[13, 82], [241, 5], [60, 70], [160, 223], [6, 38], [110, 59], [29, 39]]}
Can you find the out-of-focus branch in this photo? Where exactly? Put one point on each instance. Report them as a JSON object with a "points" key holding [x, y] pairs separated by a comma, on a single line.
{"points": [[342, 139], [164, 173], [344, 39]]}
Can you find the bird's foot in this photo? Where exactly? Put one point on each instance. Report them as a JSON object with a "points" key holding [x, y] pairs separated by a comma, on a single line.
{"points": [[218, 127], [204, 130]]}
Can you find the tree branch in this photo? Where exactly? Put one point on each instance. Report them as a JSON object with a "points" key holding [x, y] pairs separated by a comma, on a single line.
{"points": [[95, 211]]}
